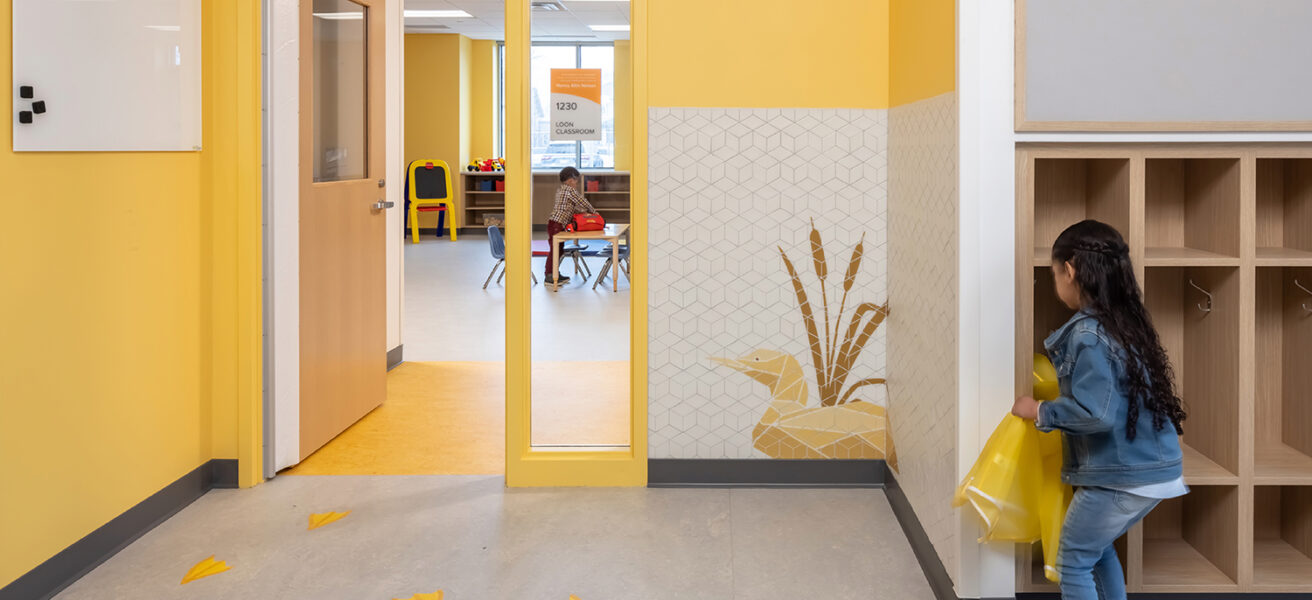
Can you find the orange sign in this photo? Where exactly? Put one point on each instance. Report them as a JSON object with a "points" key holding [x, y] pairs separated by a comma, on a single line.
{"points": [[584, 83], [576, 104]]}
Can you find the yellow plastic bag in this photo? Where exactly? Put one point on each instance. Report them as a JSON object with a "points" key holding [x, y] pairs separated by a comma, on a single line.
{"points": [[1004, 484], [1015, 486]]}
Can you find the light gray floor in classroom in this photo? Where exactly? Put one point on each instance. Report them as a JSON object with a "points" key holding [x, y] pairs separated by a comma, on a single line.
{"points": [[474, 539], [448, 315]]}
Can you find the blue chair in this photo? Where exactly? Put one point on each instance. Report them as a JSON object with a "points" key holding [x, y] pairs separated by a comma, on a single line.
{"points": [[576, 252], [498, 246], [605, 268]]}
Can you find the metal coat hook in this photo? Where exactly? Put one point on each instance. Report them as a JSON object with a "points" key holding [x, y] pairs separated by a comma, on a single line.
{"points": [[1309, 292], [1208, 308]]}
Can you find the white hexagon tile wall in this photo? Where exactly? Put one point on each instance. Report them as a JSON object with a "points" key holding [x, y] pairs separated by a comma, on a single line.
{"points": [[732, 372]]}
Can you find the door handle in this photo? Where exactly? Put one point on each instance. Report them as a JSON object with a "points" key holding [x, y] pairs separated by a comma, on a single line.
{"points": [[383, 204]]}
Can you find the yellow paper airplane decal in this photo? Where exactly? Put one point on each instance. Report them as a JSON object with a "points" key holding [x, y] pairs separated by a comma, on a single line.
{"points": [[205, 568], [433, 596], [318, 520], [573, 597]]}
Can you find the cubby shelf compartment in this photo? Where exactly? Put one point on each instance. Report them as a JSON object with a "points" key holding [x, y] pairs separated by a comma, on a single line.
{"points": [[1282, 528], [1193, 542], [1283, 453], [1033, 554], [1049, 312], [1201, 338], [1069, 190], [1191, 211], [1284, 211]]}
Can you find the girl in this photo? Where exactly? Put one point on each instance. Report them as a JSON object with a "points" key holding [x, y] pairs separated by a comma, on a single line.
{"points": [[1118, 409]]}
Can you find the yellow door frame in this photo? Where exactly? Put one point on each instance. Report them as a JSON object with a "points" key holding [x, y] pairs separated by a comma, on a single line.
{"points": [[525, 465]]}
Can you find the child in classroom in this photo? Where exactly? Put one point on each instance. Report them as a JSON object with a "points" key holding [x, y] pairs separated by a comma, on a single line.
{"points": [[1118, 409]]}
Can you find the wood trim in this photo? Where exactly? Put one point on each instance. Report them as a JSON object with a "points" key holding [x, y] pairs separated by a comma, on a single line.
{"points": [[1024, 124]]}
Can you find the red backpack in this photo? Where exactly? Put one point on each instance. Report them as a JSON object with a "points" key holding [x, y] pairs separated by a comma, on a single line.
{"points": [[589, 222]]}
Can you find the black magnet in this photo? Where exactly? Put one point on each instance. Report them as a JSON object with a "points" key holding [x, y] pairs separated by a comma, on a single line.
{"points": [[26, 92], [25, 116], [39, 106]]}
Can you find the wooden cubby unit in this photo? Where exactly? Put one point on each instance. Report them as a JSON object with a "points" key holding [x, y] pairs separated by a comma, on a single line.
{"points": [[1202, 341], [1236, 220], [1033, 554], [1284, 211], [1282, 544], [1192, 211], [1283, 453], [1192, 543]]}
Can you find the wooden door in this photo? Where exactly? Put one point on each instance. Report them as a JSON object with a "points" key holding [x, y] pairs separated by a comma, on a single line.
{"points": [[343, 305]]}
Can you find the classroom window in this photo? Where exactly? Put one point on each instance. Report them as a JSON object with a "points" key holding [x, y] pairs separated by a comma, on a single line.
{"points": [[547, 154]]}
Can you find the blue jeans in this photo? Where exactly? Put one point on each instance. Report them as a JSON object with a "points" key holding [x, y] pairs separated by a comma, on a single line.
{"points": [[1086, 556]]}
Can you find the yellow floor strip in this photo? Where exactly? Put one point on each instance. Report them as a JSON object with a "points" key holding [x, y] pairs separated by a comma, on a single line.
{"points": [[448, 418]]}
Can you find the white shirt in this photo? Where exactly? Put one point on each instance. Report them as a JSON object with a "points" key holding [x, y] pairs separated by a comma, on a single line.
{"points": [[1161, 491]]}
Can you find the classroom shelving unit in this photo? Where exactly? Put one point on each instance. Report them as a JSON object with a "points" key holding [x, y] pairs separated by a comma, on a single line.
{"points": [[1221, 239], [611, 199]]}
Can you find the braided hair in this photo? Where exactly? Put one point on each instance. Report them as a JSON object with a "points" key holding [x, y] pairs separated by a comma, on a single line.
{"points": [[1109, 292]]}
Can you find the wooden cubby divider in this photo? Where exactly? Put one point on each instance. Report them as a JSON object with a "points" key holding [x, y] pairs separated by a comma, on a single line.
{"points": [[1235, 221]]}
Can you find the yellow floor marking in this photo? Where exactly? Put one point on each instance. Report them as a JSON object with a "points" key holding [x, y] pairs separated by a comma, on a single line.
{"points": [[205, 568], [318, 520], [433, 596], [449, 418]]}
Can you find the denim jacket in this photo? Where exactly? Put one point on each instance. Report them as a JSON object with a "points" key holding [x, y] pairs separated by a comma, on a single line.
{"points": [[1092, 411]]}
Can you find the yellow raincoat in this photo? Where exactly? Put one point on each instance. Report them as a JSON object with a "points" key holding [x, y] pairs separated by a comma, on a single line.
{"points": [[1015, 485]]}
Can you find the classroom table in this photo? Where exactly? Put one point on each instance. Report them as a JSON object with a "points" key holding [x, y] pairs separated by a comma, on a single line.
{"points": [[612, 233]]}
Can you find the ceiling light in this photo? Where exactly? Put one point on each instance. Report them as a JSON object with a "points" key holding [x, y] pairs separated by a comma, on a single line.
{"points": [[165, 27], [437, 14], [609, 27], [340, 16]]}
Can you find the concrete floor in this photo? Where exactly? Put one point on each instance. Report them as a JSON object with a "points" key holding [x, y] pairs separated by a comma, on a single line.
{"points": [[444, 301], [474, 539]]}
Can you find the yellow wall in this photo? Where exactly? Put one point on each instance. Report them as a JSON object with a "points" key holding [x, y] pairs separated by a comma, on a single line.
{"points": [[769, 53], [124, 354], [923, 49], [623, 108], [437, 103]]}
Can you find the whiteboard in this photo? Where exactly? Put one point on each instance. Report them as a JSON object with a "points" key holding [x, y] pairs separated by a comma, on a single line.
{"points": [[113, 74], [1167, 61]]}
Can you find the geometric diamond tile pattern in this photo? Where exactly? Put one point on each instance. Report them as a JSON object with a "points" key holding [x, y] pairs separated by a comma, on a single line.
{"points": [[727, 188], [923, 265]]}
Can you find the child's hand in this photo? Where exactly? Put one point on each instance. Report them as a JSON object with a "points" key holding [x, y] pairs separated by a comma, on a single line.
{"points": [[1026, 407]]}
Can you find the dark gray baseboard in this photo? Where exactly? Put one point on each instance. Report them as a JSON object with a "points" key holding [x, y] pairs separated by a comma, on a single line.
{"points": [[223, 472], [61, 570], [680, 472], [930, 564], [394, 357]]}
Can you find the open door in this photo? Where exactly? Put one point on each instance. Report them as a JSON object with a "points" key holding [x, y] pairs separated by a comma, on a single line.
{"points": [[343, 317]]}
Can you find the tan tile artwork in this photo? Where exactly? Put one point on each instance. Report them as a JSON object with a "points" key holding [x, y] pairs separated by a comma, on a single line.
{"points": [[729, 188], [843, 425]]}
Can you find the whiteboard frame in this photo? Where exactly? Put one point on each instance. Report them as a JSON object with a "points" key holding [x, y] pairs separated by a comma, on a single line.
{"points": [[1023, 124]]}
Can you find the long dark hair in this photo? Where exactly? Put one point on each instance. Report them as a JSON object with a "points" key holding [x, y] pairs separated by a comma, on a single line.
{"points": [[1109, 292]]}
